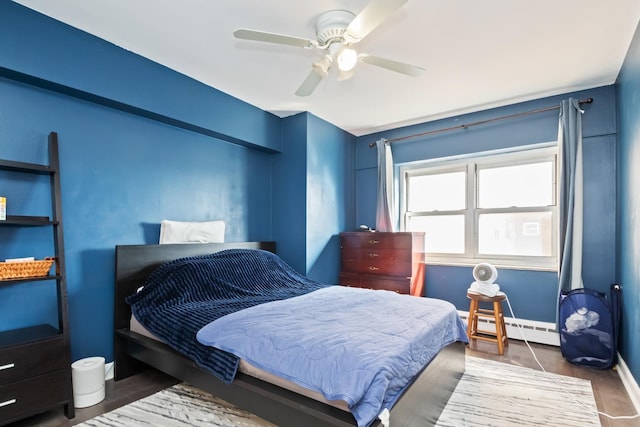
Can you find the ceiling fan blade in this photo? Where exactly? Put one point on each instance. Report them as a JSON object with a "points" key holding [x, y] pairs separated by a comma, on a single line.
{"points": [[371, 16], [399, 67], [310, 83], [261, 36]]}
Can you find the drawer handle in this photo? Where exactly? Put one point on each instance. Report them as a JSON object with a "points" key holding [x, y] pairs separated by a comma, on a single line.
{"points": [[373, 241], [372, 268], [373, 254], [8, 402], [7, 366]]}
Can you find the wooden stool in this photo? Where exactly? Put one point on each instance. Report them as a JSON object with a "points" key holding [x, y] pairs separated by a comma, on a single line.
{"points": [[500, 334]]}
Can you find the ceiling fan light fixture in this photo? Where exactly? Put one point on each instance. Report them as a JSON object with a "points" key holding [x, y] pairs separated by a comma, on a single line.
{"points": [[347, 59], [345, 75], [322, 66]]}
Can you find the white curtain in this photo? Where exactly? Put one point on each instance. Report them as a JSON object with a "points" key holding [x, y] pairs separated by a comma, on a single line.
{"points": [[385, 218], [570, 196]]}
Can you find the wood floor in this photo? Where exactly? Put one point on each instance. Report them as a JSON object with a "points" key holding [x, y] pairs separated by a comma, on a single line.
{"points": [[608, 390]]}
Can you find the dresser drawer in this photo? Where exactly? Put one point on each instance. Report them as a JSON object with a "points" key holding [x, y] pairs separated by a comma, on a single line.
{"points": [[384, 267], [396, 284], [37, 394], [376, 255], [31, 359], [376, 240], [389, 283], [350, 279]]}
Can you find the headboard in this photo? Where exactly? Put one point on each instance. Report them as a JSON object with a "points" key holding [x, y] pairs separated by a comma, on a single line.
{"points": [[134, 263]]}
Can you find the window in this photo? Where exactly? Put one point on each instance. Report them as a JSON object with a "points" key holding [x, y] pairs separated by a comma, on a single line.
{"points": [[497, 208]]}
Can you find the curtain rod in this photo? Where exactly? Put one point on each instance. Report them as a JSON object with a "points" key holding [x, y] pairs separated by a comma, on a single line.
{"points": [[481, 122]]}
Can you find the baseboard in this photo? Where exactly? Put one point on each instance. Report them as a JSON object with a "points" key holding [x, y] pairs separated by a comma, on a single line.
{"points": [[108, 371], [533, 330], [630, 384]]}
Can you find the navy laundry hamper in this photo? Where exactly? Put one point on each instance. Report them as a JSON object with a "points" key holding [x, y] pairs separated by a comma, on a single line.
{"points": [[588, 324]]}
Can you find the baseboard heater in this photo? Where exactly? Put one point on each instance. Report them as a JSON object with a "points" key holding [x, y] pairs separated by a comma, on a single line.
{"points": [[533, 330]]}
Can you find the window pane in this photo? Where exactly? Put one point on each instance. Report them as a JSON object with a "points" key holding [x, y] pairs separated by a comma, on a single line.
{"points": [[520, 185], [528, 233], [444, 234], [438, 192]]}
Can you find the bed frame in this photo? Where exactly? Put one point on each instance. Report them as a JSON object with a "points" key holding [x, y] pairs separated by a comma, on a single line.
{"points": [[420, 405]]}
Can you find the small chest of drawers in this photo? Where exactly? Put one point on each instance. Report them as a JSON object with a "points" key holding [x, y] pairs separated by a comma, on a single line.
{"points": [[34, 375], [379, 260]]}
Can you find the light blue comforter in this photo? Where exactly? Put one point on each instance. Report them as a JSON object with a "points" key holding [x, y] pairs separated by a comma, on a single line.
{"points": [[357, 345]]}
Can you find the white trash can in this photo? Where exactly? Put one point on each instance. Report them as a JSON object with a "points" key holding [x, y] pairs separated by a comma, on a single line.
{"points": [[88, 381]]}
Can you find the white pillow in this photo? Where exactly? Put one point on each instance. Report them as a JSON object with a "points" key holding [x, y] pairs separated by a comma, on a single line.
{"points": [[191, 231]]}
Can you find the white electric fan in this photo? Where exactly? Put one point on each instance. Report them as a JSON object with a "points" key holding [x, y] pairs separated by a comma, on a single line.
{"points": [[485, 275]]}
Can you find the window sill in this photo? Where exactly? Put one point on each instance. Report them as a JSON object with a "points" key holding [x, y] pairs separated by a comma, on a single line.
{"points": [[496, 264]]}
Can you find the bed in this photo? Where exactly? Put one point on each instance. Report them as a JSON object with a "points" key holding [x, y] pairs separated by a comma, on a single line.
{"points": [[135, 351]]}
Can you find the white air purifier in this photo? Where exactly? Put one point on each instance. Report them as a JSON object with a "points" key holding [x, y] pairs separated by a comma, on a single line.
{"points": [[88, 381]]}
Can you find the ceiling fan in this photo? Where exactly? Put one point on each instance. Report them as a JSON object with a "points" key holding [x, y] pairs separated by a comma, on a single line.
{"points": [[337, 31]]}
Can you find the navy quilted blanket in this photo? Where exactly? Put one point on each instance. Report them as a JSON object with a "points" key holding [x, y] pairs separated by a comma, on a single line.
{"points": [[183, 295]]}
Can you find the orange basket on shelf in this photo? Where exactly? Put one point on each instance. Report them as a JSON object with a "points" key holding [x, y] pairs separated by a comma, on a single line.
{"points": [[22, 269]]}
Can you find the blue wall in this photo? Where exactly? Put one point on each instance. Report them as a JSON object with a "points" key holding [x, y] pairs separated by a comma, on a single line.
{"points": [[53, 54], [533, 294], [628, 229], [289, 201], [140, 143], [330, 205], [121, 175], [314, 174]]}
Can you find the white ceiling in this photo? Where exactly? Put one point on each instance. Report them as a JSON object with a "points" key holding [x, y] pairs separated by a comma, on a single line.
{"points": [[477, 54]]}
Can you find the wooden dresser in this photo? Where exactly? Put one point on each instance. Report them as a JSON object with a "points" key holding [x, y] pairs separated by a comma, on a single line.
{"points": [[378, 260]]}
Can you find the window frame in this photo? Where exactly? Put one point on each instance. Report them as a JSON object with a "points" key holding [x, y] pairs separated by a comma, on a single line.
{"points": [[472, 164]]}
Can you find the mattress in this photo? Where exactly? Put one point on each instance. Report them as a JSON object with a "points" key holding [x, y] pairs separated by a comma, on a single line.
{"points": [[247, 368]]}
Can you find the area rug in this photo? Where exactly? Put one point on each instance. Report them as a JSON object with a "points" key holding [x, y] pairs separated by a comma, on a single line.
{"points": [[498, 394], [489, 394], [179, 406]]}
